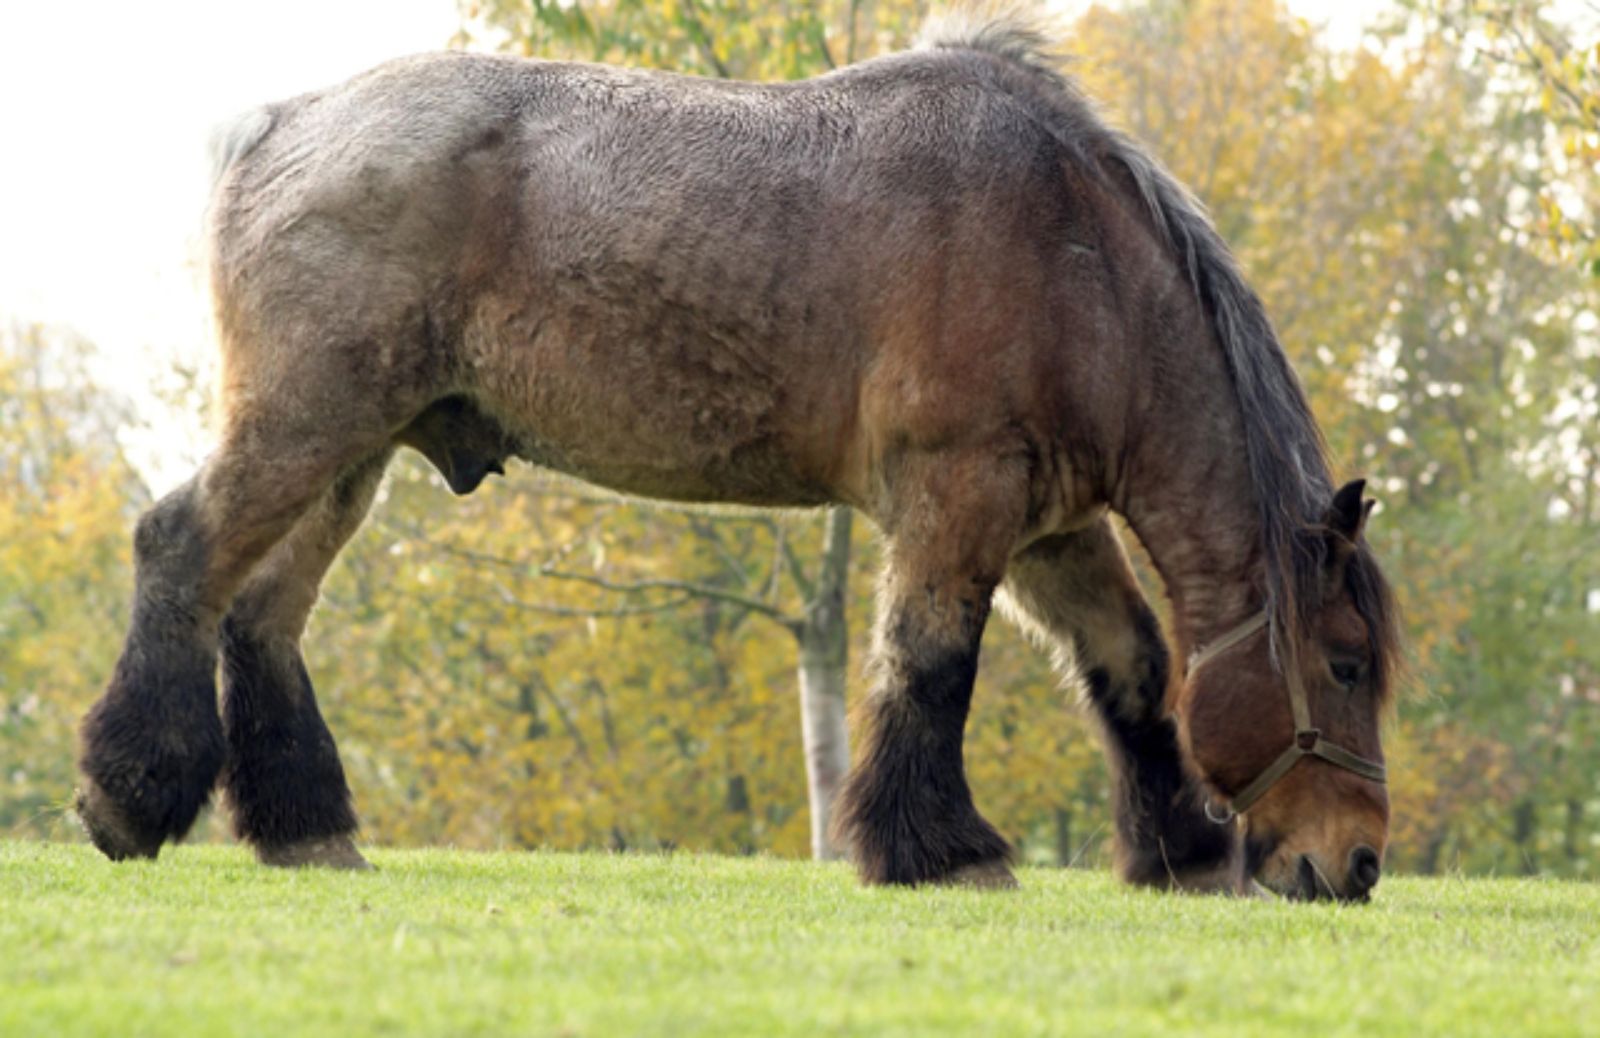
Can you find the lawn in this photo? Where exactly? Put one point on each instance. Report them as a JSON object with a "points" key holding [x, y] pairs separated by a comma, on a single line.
{"points": [[204, 942]]}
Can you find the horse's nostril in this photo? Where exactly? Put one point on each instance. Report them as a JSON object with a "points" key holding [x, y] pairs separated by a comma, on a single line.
{"points": [[1364, 869], [1306, 874]]}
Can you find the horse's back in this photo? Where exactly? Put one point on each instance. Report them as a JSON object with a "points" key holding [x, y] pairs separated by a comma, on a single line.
{"points": [[891, 140]]}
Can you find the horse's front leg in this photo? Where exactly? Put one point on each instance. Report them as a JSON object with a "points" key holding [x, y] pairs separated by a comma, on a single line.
{"points": [[905, 809], [1077, 593]]}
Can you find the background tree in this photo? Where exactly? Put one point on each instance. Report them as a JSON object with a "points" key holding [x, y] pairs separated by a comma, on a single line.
{"points": [[69, 497], [1555, 66]]}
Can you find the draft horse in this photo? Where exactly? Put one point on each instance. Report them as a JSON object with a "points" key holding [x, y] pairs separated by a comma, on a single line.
{"points": [[935, 287]]}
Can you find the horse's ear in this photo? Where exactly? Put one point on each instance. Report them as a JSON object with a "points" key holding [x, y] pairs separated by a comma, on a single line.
{"points": [[1347, 516]]}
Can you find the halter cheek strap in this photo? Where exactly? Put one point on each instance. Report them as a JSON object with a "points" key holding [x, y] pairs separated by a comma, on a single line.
{"points": [[1307, 742]]}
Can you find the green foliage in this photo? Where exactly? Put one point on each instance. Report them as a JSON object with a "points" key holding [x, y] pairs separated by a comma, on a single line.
{"points": [[742, 39], [441, 942], [1549, 53], [501, 703], [64, 563]]}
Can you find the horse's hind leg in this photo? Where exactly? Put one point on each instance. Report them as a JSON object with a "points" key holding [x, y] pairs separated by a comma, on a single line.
{"points": [[1077, 592], [153, 744], [284, 783], [905, 809]]}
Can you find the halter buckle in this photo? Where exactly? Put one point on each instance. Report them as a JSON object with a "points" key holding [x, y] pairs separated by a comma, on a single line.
{"points": [[1307, 738]]}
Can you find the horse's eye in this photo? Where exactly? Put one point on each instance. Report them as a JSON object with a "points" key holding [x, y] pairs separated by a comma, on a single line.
{"points": [[1346, 674]]}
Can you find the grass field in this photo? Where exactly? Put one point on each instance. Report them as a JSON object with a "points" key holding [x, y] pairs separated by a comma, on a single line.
{"points": [[204, 942]]}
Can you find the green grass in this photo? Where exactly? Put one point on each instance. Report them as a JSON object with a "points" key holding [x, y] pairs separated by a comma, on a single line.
{"points": [[204, 942]]}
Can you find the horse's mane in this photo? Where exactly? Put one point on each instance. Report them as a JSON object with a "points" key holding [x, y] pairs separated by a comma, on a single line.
{"points": [[1286, 454]]}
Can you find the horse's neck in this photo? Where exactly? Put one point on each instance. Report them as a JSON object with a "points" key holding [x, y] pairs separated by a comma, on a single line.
{"points": [[1186, 488]]}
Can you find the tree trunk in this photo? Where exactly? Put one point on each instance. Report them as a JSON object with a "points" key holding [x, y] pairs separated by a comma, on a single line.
{"points": [[1063, 837], [1524, 819], [1429, 863], [824, 652], [1574, 834]]}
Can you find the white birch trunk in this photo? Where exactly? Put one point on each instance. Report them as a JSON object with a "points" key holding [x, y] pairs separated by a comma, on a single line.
{"points": [[824, 662]]}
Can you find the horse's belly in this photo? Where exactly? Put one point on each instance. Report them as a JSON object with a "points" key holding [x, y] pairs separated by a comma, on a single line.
{"points": [[665, 416], [752, 474]]}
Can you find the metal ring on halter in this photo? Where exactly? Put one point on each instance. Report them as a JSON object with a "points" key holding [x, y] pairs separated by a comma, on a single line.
{"points": [[1229, 816]]}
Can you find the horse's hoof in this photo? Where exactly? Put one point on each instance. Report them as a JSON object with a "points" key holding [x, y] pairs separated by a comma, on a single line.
{"points": [[108, 828], [988, 875], [327, 852]]}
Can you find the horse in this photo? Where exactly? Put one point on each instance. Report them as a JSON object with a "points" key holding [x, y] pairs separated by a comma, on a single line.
{"points": [[935, 287]]}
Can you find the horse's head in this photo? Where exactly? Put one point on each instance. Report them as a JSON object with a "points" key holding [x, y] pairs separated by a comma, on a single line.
{"points": [[1281, 717]]}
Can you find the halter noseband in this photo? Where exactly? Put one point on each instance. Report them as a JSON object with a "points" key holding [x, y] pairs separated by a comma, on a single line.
{"points": [[1308, 740]]}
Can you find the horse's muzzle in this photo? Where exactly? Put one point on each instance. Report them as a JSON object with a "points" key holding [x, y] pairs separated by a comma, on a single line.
{"points": [[1364, 869]]}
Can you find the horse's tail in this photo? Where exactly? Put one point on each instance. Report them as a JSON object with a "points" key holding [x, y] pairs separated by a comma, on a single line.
{"points": [[234, 140], [230, 142]]}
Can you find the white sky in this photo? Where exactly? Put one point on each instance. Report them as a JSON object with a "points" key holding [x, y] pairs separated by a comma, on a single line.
{"points": [[106, 107]]}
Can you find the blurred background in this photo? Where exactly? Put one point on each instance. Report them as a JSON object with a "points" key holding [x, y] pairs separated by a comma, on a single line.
{"points": [[1410, 186]]}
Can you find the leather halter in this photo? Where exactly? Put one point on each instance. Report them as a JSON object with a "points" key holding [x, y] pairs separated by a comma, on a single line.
{"points": [[1308, 740]]}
